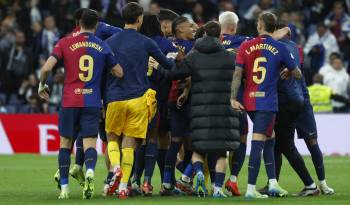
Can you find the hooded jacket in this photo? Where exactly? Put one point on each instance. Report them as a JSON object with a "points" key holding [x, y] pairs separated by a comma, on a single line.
{"points": [[214, 124]]}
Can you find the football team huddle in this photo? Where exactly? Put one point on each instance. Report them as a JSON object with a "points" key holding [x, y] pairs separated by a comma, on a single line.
{"points": [[164, 91]]}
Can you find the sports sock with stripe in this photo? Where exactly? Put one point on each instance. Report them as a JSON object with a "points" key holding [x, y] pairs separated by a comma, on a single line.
{"points": [[63, 164], [254, 161]]}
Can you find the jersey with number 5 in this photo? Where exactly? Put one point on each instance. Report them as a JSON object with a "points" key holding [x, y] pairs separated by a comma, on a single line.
{"points": [[85, 59], [262, 59]]}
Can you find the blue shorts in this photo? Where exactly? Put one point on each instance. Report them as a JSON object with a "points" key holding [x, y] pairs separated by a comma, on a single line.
{"points": [[306, 123], [180, 120], [243, 123], [79, 122], [263, 122]]}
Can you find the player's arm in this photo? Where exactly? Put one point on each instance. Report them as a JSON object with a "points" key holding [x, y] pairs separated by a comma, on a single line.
{"points": [[179, 71], [108, 30], [158, 55], [236, 83], [289, 60], [112, 62], [43, 90], [237, 78], [57, 53], [281, 33]]}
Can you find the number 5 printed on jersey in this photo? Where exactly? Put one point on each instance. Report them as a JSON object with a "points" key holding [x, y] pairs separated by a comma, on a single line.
{"points": [[86, 64], [257, 68]]}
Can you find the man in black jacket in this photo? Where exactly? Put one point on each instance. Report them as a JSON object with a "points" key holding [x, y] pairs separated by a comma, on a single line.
{"points": [[214, 124]]}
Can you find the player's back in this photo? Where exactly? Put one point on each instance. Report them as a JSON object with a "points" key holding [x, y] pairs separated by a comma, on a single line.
{"points": [[232, 42], [131, 48], [84, 57], [291, 89], [262, 59]]}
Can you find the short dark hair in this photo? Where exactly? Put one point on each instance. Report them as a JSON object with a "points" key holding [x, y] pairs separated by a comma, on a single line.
{"points": [[199, 33], [179, 20], [321, 24], [131, 12], [270, 21], [167, 14], [213, 29], [79, 13], [151, 26], [335, 55], [89, 19]]}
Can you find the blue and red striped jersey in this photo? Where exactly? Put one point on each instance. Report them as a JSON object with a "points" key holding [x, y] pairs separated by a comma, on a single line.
{"points": [[85, 58], [262, 59]]}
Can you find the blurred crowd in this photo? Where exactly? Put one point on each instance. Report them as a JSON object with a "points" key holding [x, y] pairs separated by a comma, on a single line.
{"points": [[30, 29]]}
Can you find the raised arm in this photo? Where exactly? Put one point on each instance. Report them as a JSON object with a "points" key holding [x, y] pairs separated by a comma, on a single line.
{"points": [[158, 55]]}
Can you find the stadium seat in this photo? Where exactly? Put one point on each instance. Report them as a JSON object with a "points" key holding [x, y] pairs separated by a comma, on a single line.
{"points": [[2, 97], [13, 99], [11, 108]]}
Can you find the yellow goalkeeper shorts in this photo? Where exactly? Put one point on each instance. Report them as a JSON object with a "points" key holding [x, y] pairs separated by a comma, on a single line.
{"points": [[131, 117]]}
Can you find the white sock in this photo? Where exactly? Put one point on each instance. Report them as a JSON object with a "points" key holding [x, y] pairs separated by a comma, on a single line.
{"points": [[233, 178], [251, 188], [273, 182], [123, 186], [90, 171], [185, 178], [64, 187], [217, 189], [323, 183], [312, 186], [167, 185]]}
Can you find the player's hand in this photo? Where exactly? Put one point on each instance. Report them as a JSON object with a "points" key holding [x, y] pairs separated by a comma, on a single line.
{"points": [[181, 100], [180, 56], [285, 74], [153, 63], [43, 91], [236, 105]]}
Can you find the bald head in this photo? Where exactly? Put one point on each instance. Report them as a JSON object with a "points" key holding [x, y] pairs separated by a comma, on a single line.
{"points": [[229, 21]]}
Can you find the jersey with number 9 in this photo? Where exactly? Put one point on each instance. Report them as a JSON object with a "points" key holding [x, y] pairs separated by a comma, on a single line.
{"points": [[262, 59], [85, 59]]}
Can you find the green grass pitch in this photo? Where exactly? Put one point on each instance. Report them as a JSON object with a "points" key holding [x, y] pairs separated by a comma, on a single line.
{"points": [[28, 179]]}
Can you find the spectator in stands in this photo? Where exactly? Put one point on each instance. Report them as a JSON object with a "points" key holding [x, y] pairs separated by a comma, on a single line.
{"points": [[33, 105], [35, 14], [56, 89], [28, 88], [2, 107], [319, 46], [256, 9], [338, 79], [339, 22], [327, 67], [321, 96], [48, 37], [17, 63], [198, 14]]}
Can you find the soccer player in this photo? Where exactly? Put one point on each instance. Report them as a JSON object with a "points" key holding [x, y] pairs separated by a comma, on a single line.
{"points": [[85, 57], [152, 29], [307, 130], [260, 59], [179, 109], [103, 31], [290, 103], [166, 18], [231, 42], [131, 102]]}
